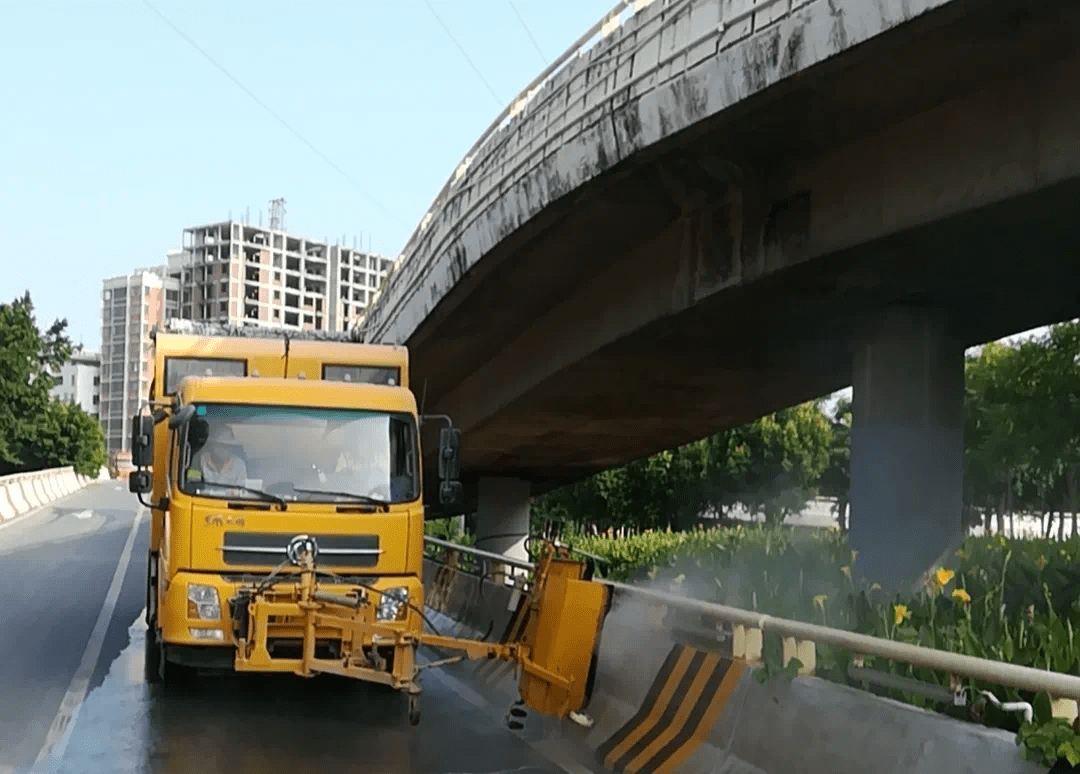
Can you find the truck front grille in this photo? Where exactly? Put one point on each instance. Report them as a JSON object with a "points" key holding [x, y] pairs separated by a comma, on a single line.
{"points": [[260, 549]]}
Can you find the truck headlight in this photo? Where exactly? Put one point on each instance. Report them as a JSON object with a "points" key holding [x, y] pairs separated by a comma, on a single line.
{"points": [[393, 604], [203, 602]]}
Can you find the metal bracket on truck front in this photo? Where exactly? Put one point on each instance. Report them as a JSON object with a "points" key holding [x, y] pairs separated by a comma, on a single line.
{"points": [[554, 649]]}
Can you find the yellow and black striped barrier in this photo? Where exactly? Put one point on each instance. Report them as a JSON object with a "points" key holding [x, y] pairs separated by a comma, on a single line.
{"points": [[678, 712]]}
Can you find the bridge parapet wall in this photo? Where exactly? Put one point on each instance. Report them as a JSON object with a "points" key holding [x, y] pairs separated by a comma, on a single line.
{"points": [[648, 70]]}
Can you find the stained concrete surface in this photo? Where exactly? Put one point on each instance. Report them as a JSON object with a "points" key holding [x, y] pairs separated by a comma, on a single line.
{"points": [[55, 569]]}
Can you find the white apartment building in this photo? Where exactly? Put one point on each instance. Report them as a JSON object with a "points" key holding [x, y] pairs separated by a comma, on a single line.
{"points": [[131, 306], [79, 381], [236, 273]]}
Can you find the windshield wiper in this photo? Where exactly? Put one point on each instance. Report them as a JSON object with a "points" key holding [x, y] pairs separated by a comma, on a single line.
{"points": [[273, 498], [351, 495]]}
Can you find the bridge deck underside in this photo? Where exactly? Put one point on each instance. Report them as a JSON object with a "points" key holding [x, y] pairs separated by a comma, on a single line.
{"points": [[771, 340]]}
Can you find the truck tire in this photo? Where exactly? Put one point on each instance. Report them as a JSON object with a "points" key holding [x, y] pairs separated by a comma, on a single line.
{"points": [[152, 660], [152, 650], [151, 588], [174, 675]]}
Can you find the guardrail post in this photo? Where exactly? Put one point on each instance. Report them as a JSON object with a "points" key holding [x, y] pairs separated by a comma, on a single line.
{"points": [[1066, 709], [747, 644], [804, 650]]}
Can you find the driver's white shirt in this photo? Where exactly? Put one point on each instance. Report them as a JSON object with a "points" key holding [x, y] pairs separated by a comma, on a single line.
{"points": [[234, 471]]}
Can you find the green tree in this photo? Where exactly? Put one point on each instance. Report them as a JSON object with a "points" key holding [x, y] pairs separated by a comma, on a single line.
{"points": [[787, 453], [995, 441], [770, 463], [1049, 411], [1022, 440], [31, 423], [67, 435], [836, 480]]}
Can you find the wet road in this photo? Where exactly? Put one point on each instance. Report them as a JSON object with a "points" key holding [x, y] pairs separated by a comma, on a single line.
{"points": [[71, 635]]}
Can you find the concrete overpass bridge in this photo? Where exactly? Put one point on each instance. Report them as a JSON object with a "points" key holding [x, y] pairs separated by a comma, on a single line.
{"points": [[711, 209]]}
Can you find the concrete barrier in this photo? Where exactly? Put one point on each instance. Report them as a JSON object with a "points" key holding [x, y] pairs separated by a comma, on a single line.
{"points": [[662, 703], [22, 493], [7, 507]]}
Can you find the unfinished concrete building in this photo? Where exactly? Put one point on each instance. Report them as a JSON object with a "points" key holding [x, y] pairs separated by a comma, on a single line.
{"points": [[234, 272]]}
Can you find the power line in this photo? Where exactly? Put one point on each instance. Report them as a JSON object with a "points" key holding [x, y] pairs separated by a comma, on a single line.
{"points": [[462, 50], [270, 110], [528, 32]]}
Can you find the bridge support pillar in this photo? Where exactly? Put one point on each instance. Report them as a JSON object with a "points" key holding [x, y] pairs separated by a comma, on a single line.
{"points": [[502, 516], [907, 446]]}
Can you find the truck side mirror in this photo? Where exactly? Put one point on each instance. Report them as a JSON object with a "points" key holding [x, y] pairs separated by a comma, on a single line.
{"points": [[449, 454], [139, 482], [142, 440], [450, 493]]}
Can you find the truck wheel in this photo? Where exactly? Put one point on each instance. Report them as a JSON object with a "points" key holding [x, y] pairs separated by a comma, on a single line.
{"points": [[175, 675], [151, 589], [152, 655], [414, 709]]}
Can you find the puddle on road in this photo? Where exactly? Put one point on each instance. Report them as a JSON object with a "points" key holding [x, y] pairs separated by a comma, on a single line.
{"points": [[246, 724]]}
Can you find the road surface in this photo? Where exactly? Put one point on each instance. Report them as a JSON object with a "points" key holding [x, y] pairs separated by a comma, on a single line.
{"points": [[74, 699]]}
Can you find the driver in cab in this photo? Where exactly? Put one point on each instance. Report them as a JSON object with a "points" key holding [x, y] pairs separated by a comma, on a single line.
{"points": [[220, 461]]}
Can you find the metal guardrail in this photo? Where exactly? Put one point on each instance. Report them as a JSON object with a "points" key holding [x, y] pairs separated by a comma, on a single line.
{"points": [[1057, 684], [971, 667], [497, 559]]}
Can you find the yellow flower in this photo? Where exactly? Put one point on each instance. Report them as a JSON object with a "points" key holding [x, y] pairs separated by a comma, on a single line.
{"points": [[819, 600], [875, 587], [943, 576], [1040, 562], [961, 596], [901, 613], [846, 571], [678, 580]]}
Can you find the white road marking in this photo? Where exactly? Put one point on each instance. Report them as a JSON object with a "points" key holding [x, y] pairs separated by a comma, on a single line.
{"points": [[52, 752]]}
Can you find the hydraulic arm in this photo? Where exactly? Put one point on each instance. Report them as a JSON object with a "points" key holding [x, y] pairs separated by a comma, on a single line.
{"points": [[559, 624]]}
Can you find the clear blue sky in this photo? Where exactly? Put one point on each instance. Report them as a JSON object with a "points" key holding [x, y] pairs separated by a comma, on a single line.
{"points": [[116, 133]]}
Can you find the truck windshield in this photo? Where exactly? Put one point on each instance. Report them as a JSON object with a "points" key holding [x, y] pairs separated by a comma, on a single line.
{"points": [[299, 454]]}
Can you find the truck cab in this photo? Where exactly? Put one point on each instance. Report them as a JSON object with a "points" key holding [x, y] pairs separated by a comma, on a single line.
{"points": [[252, 447]]}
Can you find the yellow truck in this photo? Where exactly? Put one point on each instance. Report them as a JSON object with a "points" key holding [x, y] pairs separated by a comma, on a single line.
{"points": [[287, 521]]}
